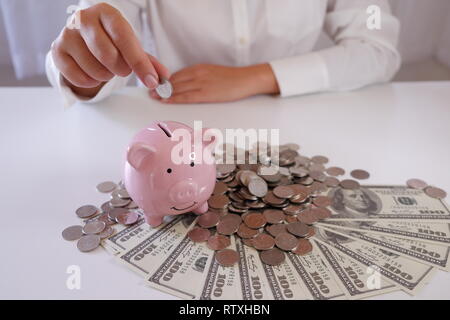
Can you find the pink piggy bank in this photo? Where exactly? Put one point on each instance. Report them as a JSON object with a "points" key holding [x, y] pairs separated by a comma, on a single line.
{"points": [[163, 181]]}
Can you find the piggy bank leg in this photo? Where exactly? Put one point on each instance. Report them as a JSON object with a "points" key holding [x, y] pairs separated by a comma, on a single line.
{"points": [[153, 220], [202, 208]]}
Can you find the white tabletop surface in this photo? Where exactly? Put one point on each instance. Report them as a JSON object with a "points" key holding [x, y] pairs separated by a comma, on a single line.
{"points": [[53, 158]]}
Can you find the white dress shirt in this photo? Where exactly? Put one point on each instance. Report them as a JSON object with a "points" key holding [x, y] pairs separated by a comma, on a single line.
{"points": [[245, 32]]}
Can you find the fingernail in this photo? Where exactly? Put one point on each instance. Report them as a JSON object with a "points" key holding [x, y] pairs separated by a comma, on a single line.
{"points": [[151, 81]]}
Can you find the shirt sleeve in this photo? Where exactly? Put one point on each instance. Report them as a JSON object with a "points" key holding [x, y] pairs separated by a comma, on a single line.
{"points": [[360, 56], [131, 11]]}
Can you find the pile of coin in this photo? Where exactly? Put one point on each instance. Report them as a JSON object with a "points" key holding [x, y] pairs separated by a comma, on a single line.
{"points": [[271, 208], [98, 223]]}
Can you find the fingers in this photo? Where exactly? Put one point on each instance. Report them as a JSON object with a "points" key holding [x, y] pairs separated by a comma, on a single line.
{"points": [[71, 71], [194, 96], [183, 75], [100, 45], [105, 46], [79, 51], [159, 67], [181, 87], [124, 39], [152, 93], [184, 92]]}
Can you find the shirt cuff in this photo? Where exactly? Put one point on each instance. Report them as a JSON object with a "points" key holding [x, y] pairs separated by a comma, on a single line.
{"points": [[301, 74], [69, 97]]}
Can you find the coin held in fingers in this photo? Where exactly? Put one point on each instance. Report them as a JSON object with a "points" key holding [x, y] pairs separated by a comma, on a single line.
{"points": [[164, 89]]}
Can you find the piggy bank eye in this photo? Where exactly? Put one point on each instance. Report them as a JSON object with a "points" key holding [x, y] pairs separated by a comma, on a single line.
{"points": [[192, 164], [169, 170]]}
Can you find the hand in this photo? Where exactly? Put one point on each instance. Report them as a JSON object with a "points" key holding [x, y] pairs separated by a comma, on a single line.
{"points": [[214, 83], [104, 46]]}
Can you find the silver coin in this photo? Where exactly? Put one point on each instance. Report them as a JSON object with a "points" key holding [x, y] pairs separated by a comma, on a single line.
{"points": [[292, 146], [119, 203], [94, 227], [72, 233], [115, 194], [298, 172], [106, 187], [132, 205], [123, 194], [86, 211], [165, 89], [88, 243], [258, 187], [127, 218], [106, 233], [284, 171], [106, 207], [112, 215]]}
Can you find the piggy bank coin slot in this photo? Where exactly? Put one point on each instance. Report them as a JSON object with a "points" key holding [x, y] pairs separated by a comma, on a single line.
{"points": [[165, 129]]}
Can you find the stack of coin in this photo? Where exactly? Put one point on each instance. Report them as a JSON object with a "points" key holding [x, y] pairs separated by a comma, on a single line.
{"points": [[98, 223]]}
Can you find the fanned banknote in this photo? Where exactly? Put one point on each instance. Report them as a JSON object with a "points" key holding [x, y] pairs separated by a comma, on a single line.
{"points": [[353, 277], [437, 233], [408, 274], [379, 239], [426, 253], [374, 203]]}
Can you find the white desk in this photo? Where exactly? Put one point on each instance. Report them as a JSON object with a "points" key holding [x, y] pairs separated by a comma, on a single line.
{"points": [[52, 159]]}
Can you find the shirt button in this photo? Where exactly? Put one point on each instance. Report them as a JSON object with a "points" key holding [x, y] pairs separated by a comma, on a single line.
{"points": [[242, 40]]}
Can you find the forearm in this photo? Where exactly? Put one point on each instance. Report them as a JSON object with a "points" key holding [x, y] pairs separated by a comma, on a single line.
{"points": [[360, 56], [352, 64], [260, 79]]}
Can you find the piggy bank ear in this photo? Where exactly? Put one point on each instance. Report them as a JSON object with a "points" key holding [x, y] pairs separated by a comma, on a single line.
{"points": [[139, 155]]}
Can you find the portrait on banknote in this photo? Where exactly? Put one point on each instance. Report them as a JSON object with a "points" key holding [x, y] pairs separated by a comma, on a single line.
{"points": [[328, 236], [357, 203]]}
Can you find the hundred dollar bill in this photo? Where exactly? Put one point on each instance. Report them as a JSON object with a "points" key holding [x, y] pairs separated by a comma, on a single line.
{"points": [[410, 275], [177, 275], [353, 277], [386, 203], [252, 284], [427, 253], [309, 272], [183, 271], [146, 255], [283, 282], [436, 233], [129, 237], [122, 235], [316, 277]]}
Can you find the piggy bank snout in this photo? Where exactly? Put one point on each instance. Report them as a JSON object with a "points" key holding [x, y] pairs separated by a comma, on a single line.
{"points": [[183, 192]]}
